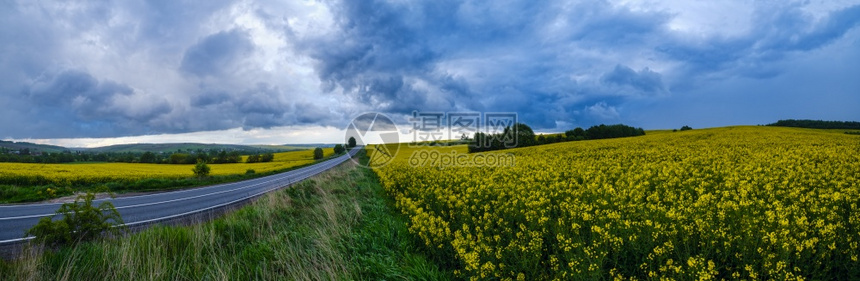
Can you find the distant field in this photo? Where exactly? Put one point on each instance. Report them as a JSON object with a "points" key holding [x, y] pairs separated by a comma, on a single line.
{"points": [[22, 175], [725, 203]]}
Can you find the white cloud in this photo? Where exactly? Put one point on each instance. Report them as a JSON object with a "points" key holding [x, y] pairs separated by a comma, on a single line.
{"points": [[603, 112], [273, 136]]}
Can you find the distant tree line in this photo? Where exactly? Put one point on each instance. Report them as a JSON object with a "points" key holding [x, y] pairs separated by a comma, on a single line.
{"points": [[604, 132], [258, 158], [26, 156], [525, 136], [817, 124], [178, 157], [521, 135]]}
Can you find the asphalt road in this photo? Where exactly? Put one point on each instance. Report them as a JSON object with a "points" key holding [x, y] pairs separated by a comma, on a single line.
{"points": [[15, 219]]}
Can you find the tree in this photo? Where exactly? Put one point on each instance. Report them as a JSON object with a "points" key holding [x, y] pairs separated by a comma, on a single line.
{"points": [[178, 158], [686, 128], [578, 134], [147, 157], [81, 221], [338, 149], [254, 158], [525, 135], [351, 142], [233, 157], [318, 153], [201, 169], [220, 158], [267, 157], [479, 143], [612, 131], [522, 133], [203, 156], [191, 159]]}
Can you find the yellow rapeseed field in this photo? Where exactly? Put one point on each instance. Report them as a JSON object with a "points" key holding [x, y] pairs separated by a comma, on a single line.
{"points": [[84, 174], [725, 203]]}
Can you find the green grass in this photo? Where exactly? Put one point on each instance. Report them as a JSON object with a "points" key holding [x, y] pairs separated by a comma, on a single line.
{"points": [[337, 226]]}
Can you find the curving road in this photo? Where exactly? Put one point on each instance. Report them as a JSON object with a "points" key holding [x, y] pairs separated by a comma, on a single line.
{"points": [[143, 209]]}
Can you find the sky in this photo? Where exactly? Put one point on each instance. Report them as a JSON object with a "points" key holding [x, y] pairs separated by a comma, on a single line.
{"points": [[92, 73]]}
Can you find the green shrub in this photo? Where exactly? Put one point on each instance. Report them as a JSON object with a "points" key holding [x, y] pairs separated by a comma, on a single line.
{"points": [[201, 169], [318, 153], [338, 149], [81, 221]]}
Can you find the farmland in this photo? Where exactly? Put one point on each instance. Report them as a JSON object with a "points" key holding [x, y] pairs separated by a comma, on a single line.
{"points": [[28, 181], [723, 203]]}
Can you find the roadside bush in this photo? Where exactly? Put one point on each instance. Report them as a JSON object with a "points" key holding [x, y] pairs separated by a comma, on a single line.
{"points": [[201, 169], [318, 153], [81, 221]]}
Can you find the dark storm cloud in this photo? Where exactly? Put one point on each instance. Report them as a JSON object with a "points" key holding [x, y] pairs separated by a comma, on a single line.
{"points": [[523, 52], [60, 88], [164, 27], [643, 81], [207, 98], [216, 53], [263, 99], [311, 113], [778, 31], [373, 52], [260, 106], [78, 104], [525, 55]]}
